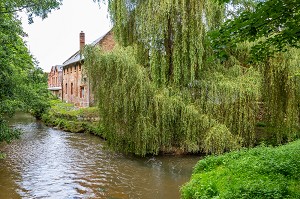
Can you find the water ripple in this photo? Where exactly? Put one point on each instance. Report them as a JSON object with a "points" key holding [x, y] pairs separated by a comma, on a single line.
{"points": [[48, 163]]}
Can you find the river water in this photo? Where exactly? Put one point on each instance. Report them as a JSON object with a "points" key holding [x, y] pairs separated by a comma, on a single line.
{"points": [[49, 163]]}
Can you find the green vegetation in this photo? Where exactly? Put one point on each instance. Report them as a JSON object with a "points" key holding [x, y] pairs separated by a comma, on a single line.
{"points": [[69, 118], [142, 119], [262, 172], [274, 23], [23, 87], [164, 85]]}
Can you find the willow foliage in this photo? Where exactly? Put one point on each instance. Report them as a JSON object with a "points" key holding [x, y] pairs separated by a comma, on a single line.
{"points": [[169, 34], [163, 89], [281, 98], [140, 118]]}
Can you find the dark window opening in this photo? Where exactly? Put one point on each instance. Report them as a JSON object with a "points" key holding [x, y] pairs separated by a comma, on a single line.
{"points": [[81, 92], [71, 88]]}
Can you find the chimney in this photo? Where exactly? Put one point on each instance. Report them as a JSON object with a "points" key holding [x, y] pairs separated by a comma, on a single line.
{"points": [[81, 40]]}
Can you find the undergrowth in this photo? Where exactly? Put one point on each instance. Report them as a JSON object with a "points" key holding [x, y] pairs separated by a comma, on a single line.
{"points": [[262, 172], [67, 117]]}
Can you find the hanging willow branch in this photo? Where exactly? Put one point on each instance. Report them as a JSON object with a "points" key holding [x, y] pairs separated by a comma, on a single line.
{"points": [[141, 119], [163, 88], [169, 34]]}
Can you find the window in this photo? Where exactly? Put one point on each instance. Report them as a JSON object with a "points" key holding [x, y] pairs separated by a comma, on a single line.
{"points": [[66, 88], [71, 88], [79, 68], [81, 92], [71, 69]]}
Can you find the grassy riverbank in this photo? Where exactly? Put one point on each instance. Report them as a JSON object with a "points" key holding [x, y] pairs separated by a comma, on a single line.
{"points": [[67, 117], [262, 172]]}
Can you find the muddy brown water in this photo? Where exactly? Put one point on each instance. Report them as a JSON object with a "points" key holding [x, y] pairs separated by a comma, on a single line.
{"points": [[50, 163]]}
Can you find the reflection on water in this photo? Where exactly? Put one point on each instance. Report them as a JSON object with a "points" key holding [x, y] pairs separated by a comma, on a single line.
{"points": [[49, 163]]}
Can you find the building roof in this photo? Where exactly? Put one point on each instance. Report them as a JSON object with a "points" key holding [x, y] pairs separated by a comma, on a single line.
{"points": [[77, 57], [58, 67]]}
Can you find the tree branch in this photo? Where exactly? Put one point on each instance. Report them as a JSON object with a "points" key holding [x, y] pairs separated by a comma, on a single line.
{"points": [[16, 10]]}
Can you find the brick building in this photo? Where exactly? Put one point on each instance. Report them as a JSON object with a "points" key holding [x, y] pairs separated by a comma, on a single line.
{"points": [[75, 85], [55, 81]]}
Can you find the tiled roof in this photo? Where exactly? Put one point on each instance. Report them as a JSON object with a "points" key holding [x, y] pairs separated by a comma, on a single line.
{"points": [[77, 57], [59, 68]]}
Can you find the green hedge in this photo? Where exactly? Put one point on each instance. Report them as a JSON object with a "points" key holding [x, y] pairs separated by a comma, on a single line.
{"points": [[263, 172]]}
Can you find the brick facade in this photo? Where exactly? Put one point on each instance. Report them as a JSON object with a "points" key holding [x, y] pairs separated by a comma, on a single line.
{"points": [[107, 42], [55, 81], [75, 85]]}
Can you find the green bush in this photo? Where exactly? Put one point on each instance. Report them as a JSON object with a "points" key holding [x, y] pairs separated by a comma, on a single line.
{"points": [[262, 172]]}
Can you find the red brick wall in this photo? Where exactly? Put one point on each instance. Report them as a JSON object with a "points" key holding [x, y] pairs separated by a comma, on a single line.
{"points": [[55, 80], [108, 42], [74, 80], [79, 80]]}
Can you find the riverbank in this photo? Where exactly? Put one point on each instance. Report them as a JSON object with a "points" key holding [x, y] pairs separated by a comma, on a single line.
{"points": [[67, 117], [50, 163], [262, 172]]}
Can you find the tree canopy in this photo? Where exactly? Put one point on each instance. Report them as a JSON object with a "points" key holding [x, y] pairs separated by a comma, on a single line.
{"points": [[163, 87], [31, 7], [22, 84], [274, 25]]}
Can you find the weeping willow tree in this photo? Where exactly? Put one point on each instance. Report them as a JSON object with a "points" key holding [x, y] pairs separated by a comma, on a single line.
{"points": [[169, 35], [162, 88], [281, 95], [140, 117]]}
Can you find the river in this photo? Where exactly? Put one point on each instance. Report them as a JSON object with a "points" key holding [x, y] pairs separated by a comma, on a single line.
{"points": [[50, 163]]}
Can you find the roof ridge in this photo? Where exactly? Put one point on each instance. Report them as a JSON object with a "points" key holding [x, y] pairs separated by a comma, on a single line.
{"points": [[70, 57], [75, 58]]}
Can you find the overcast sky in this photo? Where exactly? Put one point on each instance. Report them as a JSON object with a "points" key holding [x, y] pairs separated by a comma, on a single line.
{"points": [[56, 38]]}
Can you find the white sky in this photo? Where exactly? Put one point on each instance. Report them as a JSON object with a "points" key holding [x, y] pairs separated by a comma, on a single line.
{"points": [[56, 38]]}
